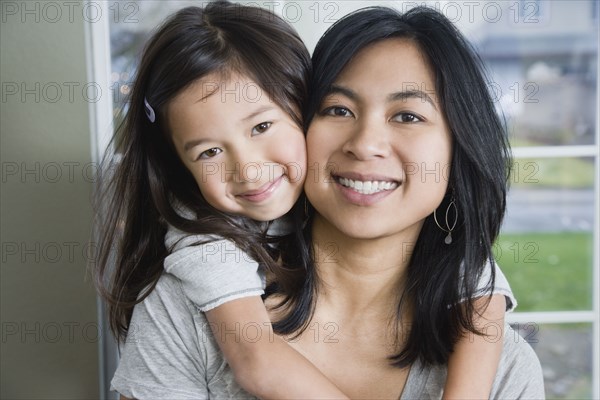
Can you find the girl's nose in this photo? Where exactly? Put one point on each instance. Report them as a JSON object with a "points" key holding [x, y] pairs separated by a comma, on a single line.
{"points": [[243, 167]]}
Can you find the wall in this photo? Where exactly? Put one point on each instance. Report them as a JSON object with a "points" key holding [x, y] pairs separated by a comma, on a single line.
{"points": [[48, 306]]}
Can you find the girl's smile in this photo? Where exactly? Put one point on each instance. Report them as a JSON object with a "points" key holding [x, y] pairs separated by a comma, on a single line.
{"points": [[262, 193], [246, 154]]}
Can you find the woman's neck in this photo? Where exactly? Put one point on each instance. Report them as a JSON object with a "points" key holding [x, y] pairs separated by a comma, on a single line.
{"points": [[360, 276], [360, 282]]}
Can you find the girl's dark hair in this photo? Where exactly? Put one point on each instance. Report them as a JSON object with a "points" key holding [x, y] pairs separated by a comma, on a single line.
{"points": [[434, 289], [148, 183]]}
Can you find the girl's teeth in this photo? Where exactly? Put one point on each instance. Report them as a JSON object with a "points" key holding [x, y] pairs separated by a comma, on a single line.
{"points": [[367, 187]]}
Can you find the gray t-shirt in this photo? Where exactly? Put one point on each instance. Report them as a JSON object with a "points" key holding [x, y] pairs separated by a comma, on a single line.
{"points": [[216, 272], [170, 353]]}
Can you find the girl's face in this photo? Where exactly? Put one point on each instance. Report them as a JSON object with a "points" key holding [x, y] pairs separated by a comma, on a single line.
{"points": [[380, 144], [247, 155]]}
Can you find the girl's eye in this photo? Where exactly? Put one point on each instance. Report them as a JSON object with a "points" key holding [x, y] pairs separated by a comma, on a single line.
{"points": [[407, 118], [337, 111], [210, 153], [261, 128]]}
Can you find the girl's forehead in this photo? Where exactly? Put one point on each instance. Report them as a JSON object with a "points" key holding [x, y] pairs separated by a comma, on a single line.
{"points": [[229, 84], [227, 81]]}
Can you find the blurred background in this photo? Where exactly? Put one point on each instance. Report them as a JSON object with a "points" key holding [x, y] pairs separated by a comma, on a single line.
{"points": [[66, 71]]}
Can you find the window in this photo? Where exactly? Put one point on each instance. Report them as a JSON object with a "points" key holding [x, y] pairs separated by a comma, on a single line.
{"points": [[544, 75], [543, 59], [529, 9]]}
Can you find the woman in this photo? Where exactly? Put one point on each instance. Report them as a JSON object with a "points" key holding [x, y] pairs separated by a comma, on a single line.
{"points": [[408, 184], [383, 301]]}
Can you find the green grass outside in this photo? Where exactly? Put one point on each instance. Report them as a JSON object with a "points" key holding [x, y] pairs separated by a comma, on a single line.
{"points": [[548, 271]]}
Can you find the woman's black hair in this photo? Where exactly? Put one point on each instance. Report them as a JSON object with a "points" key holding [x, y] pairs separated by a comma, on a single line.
{"points": [[148, 182], [439, 276]]}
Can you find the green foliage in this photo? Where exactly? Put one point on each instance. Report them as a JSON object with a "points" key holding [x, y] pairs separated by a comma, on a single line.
{"points": [[548, 271], [567, 173]]}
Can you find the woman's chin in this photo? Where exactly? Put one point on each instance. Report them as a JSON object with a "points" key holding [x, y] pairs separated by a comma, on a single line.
{"points": [[366, 227], [355, 228]]}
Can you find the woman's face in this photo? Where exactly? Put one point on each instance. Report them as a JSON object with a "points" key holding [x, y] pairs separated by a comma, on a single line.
{"points": [[379, 148]]}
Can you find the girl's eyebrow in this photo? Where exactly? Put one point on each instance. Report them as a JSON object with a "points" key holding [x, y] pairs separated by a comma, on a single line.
{"points": [[192, 143], [261, 110], [396, 96]]}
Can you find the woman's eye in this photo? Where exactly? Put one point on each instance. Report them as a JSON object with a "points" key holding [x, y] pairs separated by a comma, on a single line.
{"points": [[261, 128], [210, 153], [337, 111], [407, 118]]}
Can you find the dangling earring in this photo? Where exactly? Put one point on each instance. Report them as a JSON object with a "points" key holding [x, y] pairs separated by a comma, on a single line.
{"points": [[448, 229]]}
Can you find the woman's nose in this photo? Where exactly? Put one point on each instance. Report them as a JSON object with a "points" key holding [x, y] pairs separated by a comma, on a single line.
{"points": [[368, 140]]}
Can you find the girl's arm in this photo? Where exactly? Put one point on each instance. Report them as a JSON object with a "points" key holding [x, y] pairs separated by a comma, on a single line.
{"points": [[473, 364], [264, 364]]}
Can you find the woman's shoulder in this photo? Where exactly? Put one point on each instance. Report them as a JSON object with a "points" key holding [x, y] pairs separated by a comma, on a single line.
{"points": [[167, 297], [170, 350], [161, 354], [167, 315], [519, 374]]}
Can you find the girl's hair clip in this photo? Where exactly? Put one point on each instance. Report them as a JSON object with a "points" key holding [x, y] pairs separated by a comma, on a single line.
{"points": [[149, 111]]}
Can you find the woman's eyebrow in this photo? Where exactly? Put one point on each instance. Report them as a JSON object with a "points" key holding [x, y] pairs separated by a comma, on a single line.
{"points": [[337, 89], [396, 96], [411, 94]]}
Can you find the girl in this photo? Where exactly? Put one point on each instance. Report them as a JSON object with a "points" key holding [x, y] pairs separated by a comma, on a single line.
{"points": [[216, 88], [212, 146]]}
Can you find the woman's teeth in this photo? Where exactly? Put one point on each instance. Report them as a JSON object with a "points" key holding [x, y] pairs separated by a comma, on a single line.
{"points": [[367, 187]]}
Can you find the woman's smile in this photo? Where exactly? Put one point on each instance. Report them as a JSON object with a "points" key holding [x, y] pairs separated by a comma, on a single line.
{"points": [[370, 132], [364, 190]]}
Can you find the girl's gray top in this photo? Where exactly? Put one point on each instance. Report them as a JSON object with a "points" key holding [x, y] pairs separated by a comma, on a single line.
{"points": [[216, 272]]}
